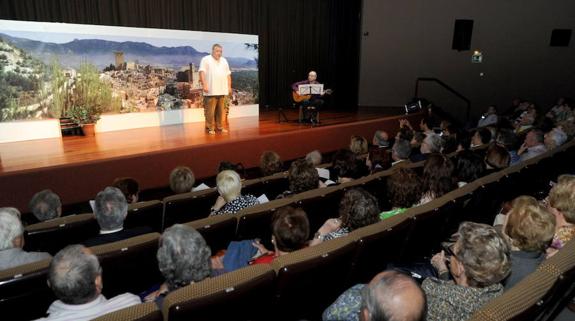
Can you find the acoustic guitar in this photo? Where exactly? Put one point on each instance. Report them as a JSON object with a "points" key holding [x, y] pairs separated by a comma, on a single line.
{"points": [[299, 98]]}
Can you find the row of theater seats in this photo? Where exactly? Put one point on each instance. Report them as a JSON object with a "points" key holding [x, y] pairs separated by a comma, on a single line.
{"points": [[53, 235], [300, 285]]}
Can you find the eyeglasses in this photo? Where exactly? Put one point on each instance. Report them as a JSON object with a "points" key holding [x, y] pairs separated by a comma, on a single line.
{"points": [[448, 249]]}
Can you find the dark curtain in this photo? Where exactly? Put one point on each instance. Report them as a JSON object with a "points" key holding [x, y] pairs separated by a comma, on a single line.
{"points": [[295, 36]]}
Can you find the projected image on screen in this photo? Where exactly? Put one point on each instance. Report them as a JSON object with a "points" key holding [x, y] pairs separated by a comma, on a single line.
{"points": [[48, 68]]}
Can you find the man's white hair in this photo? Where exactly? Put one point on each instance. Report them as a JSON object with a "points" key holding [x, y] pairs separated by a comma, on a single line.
{"points": [[10, 228]]}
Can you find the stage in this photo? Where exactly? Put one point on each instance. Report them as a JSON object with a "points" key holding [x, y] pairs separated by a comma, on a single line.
{"points": [[77, 167]]}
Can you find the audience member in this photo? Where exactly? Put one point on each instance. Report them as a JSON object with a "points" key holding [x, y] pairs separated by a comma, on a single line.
{"points": [[183, 259], [496, 158], [400, 151], [378, 159], [381, 139], [555, 138], [533, 145], [426, 126], [359, 146], [270, 163], [562, 206], [302, 177], [182, 180], [346, 167], [390, 295], [403, 191], [230, 200], [129, 187], [111, 209], [290, 232], [489, 118], [314, 157], [45, 205], [481, 137], [437, 178], [236, 167], [431, 144], [12, 242], [469, 166], [529, 227], [507, 139], [75, 277], [357, 209], [478, 262]]}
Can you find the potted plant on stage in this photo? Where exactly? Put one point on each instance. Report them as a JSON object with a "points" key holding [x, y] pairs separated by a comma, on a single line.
{"points": [[90, 95], [85, 116]]}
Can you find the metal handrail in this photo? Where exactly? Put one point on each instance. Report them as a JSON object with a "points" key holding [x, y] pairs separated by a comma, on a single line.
{"points": [[446, 86]]}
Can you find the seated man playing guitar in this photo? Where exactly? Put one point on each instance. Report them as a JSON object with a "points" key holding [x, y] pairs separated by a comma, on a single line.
{"points": [[310, 103]]}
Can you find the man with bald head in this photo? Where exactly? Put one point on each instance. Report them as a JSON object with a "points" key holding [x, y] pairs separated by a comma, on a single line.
{"points": [[390, 295], [310, 103]]}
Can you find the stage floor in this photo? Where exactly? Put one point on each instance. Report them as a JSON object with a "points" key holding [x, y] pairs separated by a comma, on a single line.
{"points": [[44, 153]]}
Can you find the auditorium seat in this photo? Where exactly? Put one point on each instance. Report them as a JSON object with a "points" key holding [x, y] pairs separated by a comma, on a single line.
{"points": [[539, 296], [377, 245], [485, 200], [218, 231], [428, 228], [129, 265], [255, 222], [187, 207], [148, 213], [376, 185], [310, 279], [244, 294], [139, 312], [271, 186], [24, 293], [321, 203], [52, 236]]}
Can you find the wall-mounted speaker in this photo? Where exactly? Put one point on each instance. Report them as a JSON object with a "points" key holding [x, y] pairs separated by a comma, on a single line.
{"points": [[462, 34], [560, 37]]}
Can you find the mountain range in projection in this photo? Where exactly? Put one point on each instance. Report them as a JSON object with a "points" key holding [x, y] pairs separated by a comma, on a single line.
{"points": [[101, 53]]}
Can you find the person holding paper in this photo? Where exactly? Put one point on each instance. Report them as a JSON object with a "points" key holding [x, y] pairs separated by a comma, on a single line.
{"points": [[308, 101], [216, 80]]}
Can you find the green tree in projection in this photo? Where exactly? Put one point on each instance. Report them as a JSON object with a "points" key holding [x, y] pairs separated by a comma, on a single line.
{"points": [[59, 87], [91, 96]]}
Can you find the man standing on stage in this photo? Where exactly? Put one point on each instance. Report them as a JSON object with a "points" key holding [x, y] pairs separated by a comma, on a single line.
{"points": [[216, 79]]}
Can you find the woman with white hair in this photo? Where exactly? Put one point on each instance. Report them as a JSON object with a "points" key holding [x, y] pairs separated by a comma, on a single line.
{"points": [[230, 200], [12, 242], [183, 259], [478, 261]]}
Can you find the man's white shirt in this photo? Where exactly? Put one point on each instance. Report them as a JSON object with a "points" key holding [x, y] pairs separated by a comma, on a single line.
{"points": [[215, 75]]}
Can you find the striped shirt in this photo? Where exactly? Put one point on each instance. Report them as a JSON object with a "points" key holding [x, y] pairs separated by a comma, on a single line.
{"points": [[60, 311]]}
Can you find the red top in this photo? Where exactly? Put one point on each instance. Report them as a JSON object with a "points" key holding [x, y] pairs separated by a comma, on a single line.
{"points": [[266, 258]]}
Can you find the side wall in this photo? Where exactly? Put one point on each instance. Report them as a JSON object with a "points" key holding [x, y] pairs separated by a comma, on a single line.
{"points": [[412, 38]]}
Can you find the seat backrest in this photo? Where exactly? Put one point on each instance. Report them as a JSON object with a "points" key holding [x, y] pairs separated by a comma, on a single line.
{"points": [[271, 186], [525, 301], [139, 312], [255, 222], [539, 296], [145, 214], [188, 207], [23, 285], [310, 279], [320, 204], [562, 265], [129, 265], [428, 228], [244, 294], [218, 231], [377, 245], [51, 236]]}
